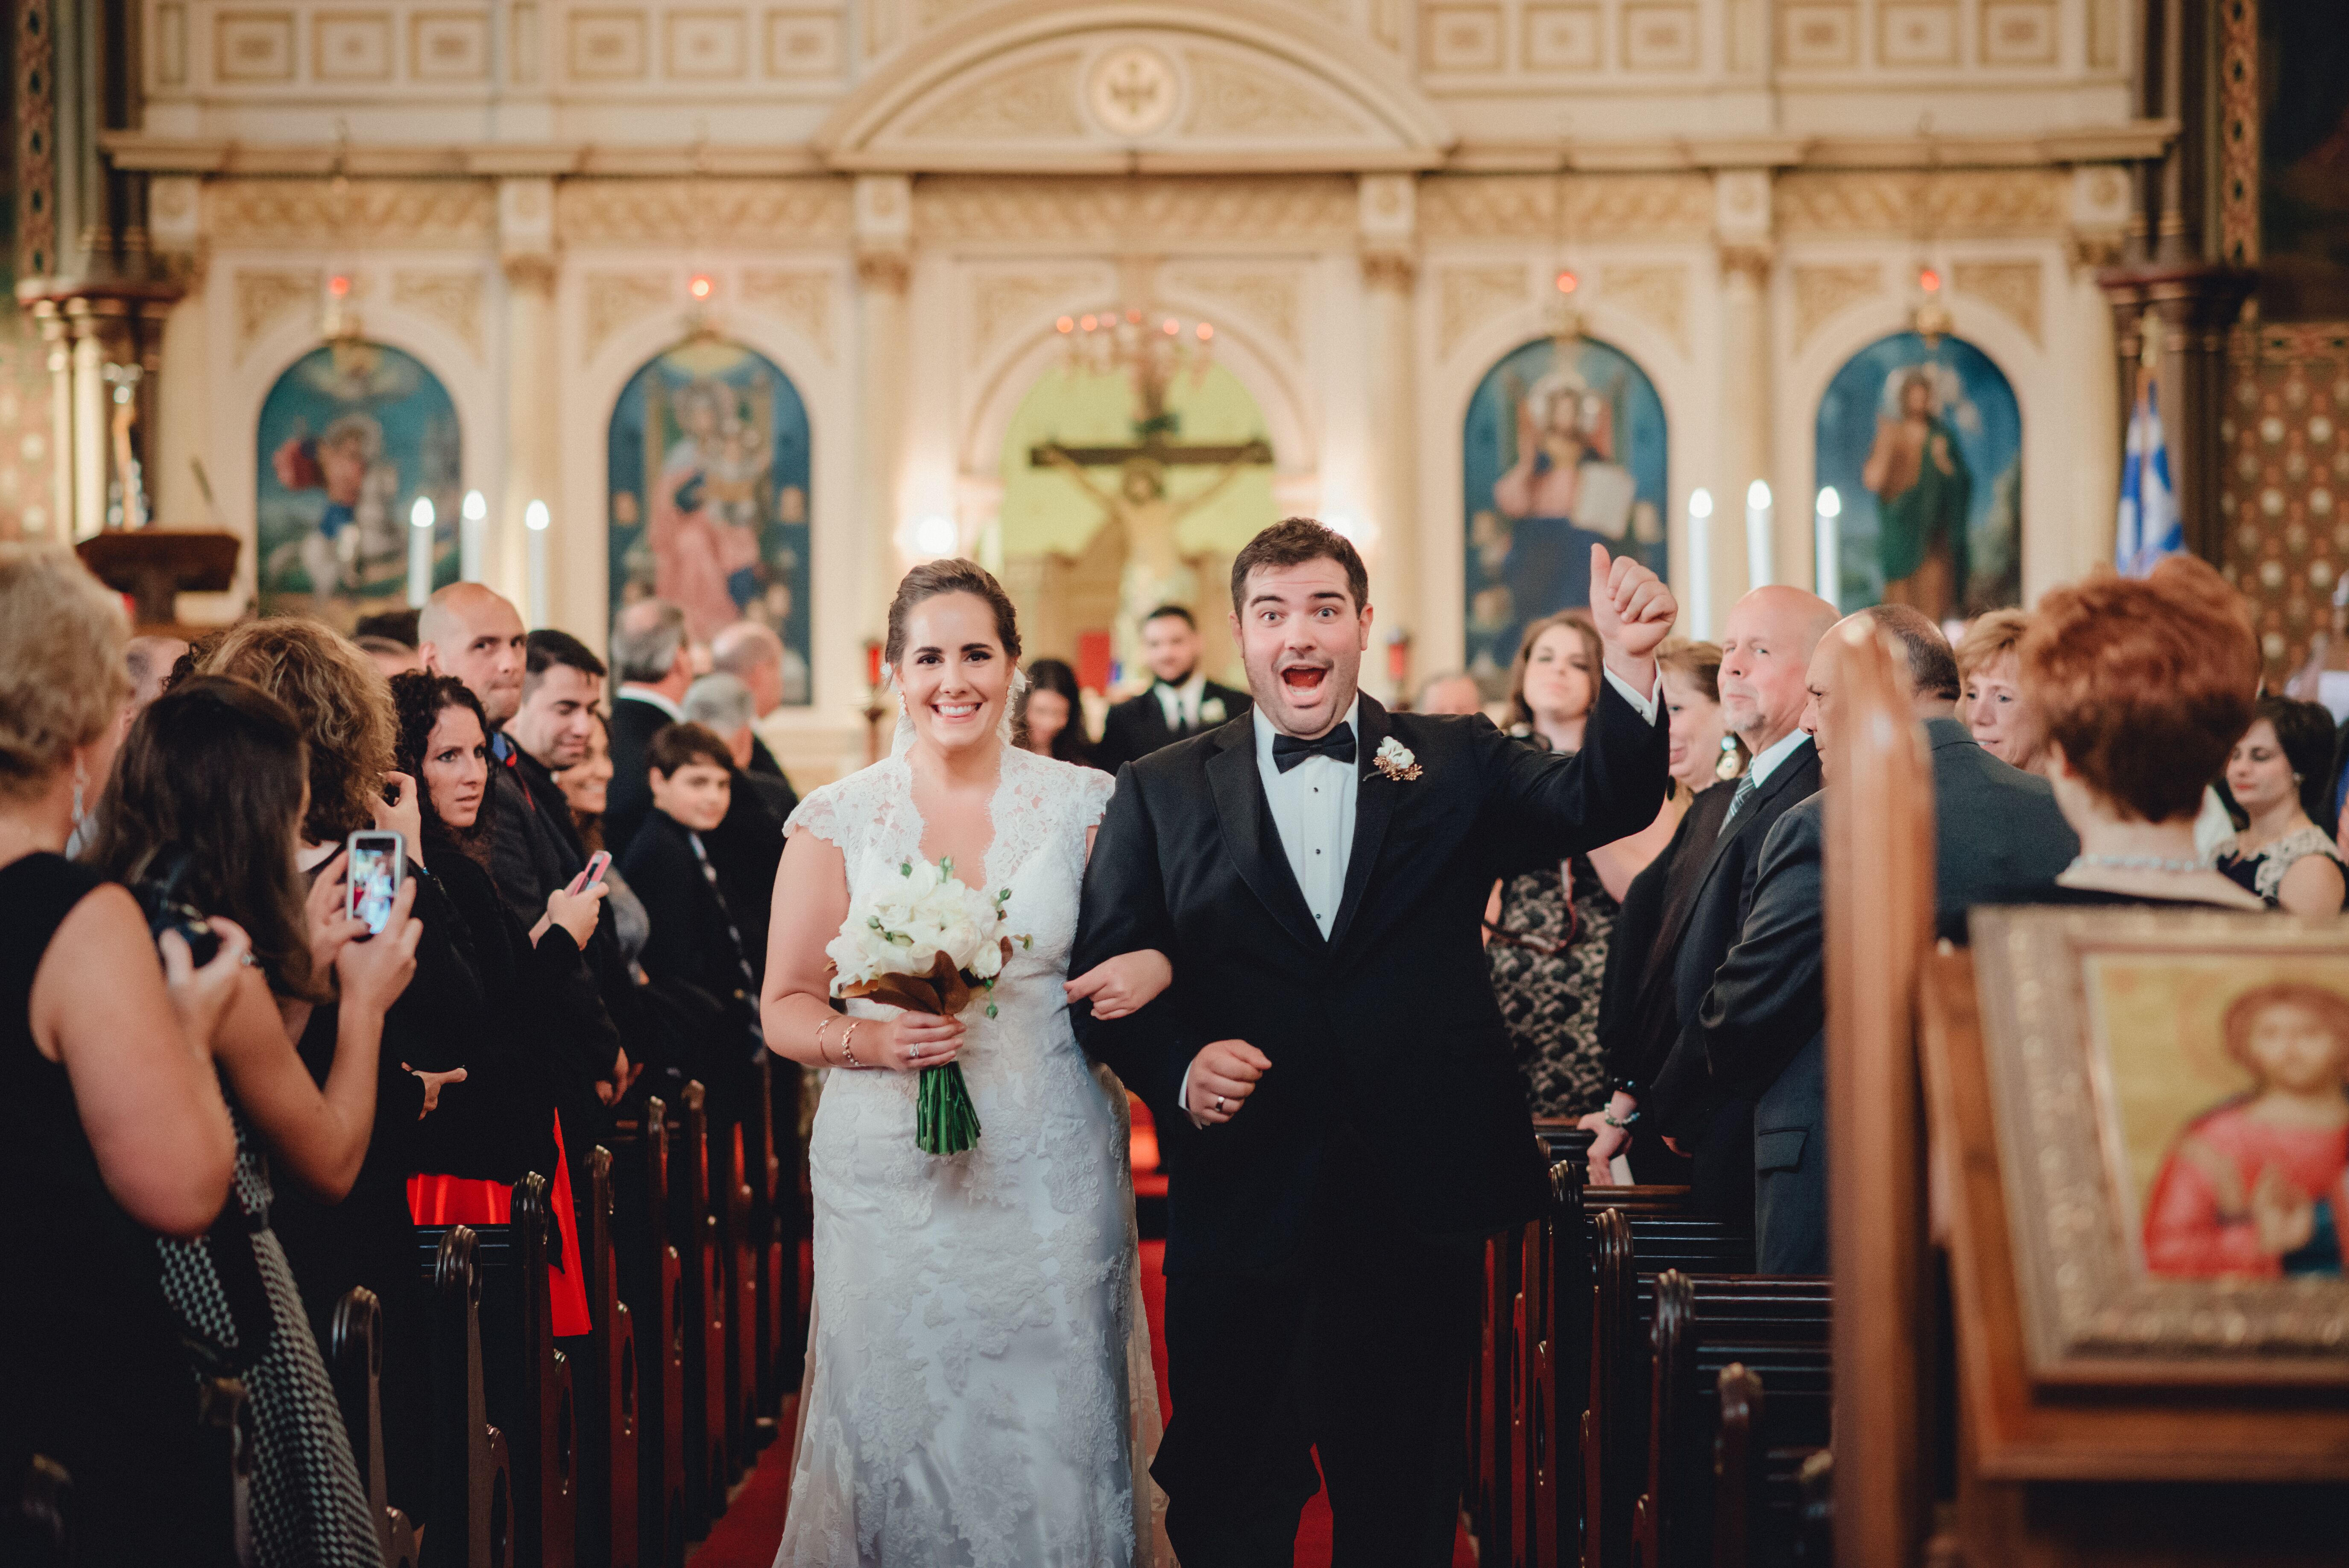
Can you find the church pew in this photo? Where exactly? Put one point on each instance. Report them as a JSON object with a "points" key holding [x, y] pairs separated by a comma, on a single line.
{"points": [[355, 1363], [528, 1382], [1773, 1331], [472, 1490], [739, 1277], [1626, 1251], [693, 1225], [37, 1520], [604, 1363], [650, 1272], [773, 1237]]}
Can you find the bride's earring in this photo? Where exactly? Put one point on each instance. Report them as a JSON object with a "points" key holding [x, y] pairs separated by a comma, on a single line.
{"points": [[81, 783]]}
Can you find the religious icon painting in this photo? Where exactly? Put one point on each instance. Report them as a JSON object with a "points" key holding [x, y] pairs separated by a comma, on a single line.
{"points": [[1922, 443], [2171, 1095], [1564, 446], [708, 495], [352, 436]]}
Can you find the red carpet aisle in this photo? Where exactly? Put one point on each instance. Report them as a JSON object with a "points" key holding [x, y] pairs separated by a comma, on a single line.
{"points": [[746, 1537]]}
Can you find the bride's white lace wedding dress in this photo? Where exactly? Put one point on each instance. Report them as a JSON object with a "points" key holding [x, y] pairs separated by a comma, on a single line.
{"points": [[979, 1388]]}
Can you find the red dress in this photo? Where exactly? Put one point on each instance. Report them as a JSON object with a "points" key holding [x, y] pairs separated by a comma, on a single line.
{"points": [[2198, 1220], [470, 1201]]}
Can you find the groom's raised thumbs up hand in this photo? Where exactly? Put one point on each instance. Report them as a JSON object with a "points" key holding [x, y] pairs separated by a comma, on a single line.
{"points": [[1222, 1077], [1633, 611]]}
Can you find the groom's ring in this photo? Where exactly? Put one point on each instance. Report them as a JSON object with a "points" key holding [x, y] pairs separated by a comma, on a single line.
{"points": [[1219, 1103]]}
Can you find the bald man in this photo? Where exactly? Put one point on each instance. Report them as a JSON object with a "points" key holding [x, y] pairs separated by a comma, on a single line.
{"points": [[1767, 646], [149, 661], [469, 632], [755, 656]]}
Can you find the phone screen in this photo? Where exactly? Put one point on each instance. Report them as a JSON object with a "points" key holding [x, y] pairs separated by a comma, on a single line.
{"points": [[374, 878]]}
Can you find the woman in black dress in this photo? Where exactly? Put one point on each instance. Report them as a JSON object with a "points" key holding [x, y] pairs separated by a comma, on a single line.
{"points": [[208, 791], [111, 1123]]}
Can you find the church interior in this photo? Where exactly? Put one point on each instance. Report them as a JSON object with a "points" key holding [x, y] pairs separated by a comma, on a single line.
{"points": [[751, 306]]}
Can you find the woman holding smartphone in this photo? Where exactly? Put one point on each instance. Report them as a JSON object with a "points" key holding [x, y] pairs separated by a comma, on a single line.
{"points": [[209, 791]]}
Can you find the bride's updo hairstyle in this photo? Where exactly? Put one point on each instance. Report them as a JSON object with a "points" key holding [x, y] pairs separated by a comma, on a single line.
{"points": [[933, 578]]}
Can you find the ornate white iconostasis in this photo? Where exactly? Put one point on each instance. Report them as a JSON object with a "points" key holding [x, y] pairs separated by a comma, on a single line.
{"points": [[893, 208]]}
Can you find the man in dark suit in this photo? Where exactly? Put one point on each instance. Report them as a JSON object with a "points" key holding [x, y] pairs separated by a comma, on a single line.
{"points": [[1999, 838], [1181, 702], [654, 666], [1766, 651], [1339, 1114], [755, 656]]}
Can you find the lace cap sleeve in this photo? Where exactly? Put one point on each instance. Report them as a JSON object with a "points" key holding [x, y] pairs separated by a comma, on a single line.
{"points": [[1094, 789], [819, 813]]}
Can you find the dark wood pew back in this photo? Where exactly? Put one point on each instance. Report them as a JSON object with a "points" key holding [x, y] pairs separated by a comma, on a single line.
{"points": [[473, 1490], [650, 1272], [693, 1225], [355, 1363], [604, 1363]]}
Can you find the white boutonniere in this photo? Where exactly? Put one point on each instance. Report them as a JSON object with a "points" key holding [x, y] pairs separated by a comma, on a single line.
{"points": [[1211, 711], [1395, 760]]}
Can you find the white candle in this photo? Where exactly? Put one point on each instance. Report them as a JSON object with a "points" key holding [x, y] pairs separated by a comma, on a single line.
{"points": [[1700, 569], [472, 536], [1830, 547], [1757, 535], [535, 522], [419, 551]]}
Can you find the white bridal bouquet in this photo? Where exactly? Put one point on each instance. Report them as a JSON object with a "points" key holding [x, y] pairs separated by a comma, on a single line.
{"points": [[928, 943]]}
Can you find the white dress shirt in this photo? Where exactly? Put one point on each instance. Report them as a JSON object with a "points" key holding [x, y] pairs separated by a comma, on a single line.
{"points": [[658, 699], [1778, 751], [1181, 703], [1313, 811]]}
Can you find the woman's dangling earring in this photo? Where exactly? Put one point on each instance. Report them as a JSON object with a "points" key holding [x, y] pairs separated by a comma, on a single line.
{"points": [[81, 783]]}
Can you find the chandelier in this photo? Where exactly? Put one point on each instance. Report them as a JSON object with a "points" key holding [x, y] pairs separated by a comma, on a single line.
{"points": [[1152, 349]]}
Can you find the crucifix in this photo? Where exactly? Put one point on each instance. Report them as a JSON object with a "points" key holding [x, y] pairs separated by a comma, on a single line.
{"points": [[1154, 572]]}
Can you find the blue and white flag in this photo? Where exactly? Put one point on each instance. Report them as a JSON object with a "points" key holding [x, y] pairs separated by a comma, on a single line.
{"points": [[2149, 525]]}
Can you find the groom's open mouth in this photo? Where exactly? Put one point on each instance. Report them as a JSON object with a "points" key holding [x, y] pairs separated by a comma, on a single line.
{"points": [[1304, 679]]}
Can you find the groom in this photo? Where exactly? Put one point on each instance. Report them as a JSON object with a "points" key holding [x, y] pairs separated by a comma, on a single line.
{"points": [[1340, 1116]]}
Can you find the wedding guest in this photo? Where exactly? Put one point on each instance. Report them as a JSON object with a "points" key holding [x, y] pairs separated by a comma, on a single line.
{"points": [[1704, 750], [469, 632], [747, 845], [399, 626], [149, 661], [751, 653], [1181, 702], [207, 797], [1547, 930], [1989, 663], [2278, 774], [653, 664], [391, 657], [583, 787], [526, 991], [2141, 688], [115, 1127], [1454, 692], [1050, 718]]}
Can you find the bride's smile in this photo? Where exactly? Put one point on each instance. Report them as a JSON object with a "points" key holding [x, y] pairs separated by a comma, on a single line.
{"points": [[954, 675]]}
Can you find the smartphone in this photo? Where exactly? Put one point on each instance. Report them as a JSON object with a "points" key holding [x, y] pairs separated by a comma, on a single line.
{"points": [[597, 864], [376, 861]]}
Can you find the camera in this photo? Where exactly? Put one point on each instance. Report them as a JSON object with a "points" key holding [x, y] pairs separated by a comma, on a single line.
{"points": [[158, 892]]}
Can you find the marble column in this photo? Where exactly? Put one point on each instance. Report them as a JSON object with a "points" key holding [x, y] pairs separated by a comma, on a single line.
{"points": [[2062, 555], [56, 337], [533, 418], [1744, 450], [90, 410], [884, 216], [1389, 279]]}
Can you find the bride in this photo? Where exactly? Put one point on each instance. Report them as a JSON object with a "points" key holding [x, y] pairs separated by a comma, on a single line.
{"points": [[979, 1385]]}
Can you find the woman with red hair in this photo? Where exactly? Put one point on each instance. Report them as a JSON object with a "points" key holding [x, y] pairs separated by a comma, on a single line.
{"points": [[2139, 688]]}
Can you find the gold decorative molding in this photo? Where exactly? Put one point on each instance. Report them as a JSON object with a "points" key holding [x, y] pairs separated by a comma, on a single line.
{"points": [[1541, 206], [1821, 289], [1752, 260], [620, 299], [2238, 134], [1033, 100], [2012, 288], [1390, 268], [452, 298], [1131, 214], [888, 271], [1272, 299], [1231, 97], [411, 213], [1468, 296], [1000, 302], [267, 297], [1658, 294], [531, 270], [1967, 202], [801, 297], [797, 212]]}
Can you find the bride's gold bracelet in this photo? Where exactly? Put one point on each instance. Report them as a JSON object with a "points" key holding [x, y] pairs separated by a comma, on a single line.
{"points": [[822, 1054], [848, 1045]]}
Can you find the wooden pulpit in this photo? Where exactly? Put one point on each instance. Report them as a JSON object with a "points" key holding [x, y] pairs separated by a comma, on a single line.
{"points": [[156, 565]]}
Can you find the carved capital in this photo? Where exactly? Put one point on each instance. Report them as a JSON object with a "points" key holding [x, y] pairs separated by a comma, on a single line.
{"points": [[888, 270], [1752, 260], [530, 270], [2092, 250], [1389, 268]]}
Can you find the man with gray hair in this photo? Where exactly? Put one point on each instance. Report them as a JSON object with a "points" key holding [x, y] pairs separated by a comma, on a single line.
{"points": [[653, 664], [746, 846], [775, 674]]}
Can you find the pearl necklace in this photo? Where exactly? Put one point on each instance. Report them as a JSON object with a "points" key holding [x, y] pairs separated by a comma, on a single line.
{"points": [[2139, 863]]}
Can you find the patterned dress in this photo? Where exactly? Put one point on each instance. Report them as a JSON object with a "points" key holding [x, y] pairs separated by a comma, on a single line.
{"points": [[2262, 872], [308, 1508], [1547, 956]]}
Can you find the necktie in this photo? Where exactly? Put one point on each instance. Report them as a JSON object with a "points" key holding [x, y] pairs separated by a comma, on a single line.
{"points": [[1745, 788], [750, 990], [1174, 694], [1288, 751]]}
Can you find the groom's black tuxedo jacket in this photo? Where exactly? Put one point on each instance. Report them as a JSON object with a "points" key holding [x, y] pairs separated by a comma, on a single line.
{"points": [[1391, 1083]]}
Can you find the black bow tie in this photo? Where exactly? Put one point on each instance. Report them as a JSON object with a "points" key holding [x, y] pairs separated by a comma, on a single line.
{"points": [[1288, 751]]}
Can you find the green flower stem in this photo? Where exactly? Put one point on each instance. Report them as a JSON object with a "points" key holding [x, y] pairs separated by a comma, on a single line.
{"points": [[945, 1121]]}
